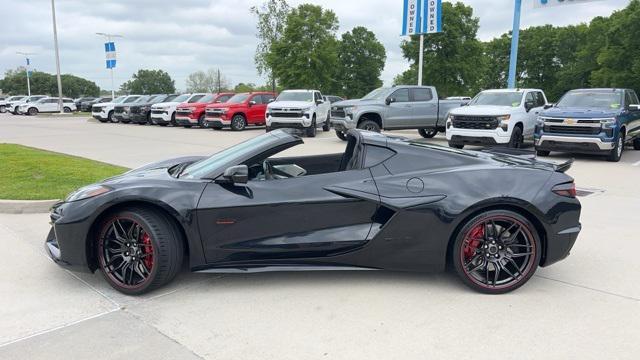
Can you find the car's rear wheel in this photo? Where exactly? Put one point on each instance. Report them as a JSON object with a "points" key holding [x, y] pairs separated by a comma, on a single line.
{"points": [[616, 153], [369, 125], [517, 140], [110, 117], [238, 123], [341, 135], [497, 252], [66, 109], [138, 250], [428, 133], [312, 129], [327, 124], [32, 111]]}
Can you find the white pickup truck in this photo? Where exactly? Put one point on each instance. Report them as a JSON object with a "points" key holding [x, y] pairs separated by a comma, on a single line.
{"points": [[493, 117], [299, 109]]}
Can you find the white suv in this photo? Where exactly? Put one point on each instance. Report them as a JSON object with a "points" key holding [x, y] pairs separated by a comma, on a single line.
{"points": [[493, 117], [299, 109], [5, 102], [45, 105], [165, 113], [14, 106], [104, 111]]}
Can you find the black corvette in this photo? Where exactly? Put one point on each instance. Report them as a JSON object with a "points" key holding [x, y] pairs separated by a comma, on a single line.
{"points": [[385, 203]]}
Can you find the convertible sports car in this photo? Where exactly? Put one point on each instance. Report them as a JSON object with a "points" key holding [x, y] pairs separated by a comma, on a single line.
{"points": [[385, 203]]}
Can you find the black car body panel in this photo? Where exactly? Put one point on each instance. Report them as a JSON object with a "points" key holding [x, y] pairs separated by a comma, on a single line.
{"points": [[384, 204]]}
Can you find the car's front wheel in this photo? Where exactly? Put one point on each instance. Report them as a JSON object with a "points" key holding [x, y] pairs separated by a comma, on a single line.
{"points": [[238, 123], [517, 139], [138, 250], [636, 144], [497, 251], [312, 129], [327, 124], [616, 153], [428, 133], [341, 135], [369, 125], [32, 111]]}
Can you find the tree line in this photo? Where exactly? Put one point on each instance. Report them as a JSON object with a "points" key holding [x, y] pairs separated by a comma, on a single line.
{"points": [[603, 53], [15, 83]]}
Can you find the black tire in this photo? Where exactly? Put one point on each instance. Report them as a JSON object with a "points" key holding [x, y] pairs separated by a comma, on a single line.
{"points": [[110, 117], [341, 135], [187, 126], [543, 153], [456, 146], [312, 129], [327, 124], [3, 109], [496, 252], [238, 123], [157, 247], [32, 111], [173, 119], [616, 153], [201, 121], [517, 139], [428, 133], [162, 124], [66, 110], [369, 126], [636, 144], [267, 129]]}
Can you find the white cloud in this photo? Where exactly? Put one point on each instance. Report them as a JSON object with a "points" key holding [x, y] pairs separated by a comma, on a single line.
{"points": [[184, 36]]}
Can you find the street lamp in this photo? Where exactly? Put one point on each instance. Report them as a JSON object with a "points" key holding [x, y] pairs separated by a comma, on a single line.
{"points": [[109, 37], [55, 44], [26, 56]]}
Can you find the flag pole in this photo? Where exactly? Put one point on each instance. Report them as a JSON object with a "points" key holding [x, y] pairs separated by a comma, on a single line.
{"points": [[420, 59]]}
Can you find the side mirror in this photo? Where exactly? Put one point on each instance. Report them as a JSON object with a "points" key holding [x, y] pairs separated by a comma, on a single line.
{"points": [[529, 105], [319, 102], [548, 106], [238, 174], [634, 107], [251, 103], [390, 100], [271, 100]]}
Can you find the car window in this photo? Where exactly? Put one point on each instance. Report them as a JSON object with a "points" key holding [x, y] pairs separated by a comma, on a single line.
{"points": [[401, 95], [540, 98], [316, 96], [530, 99], [627, 98], [257, 99], [634, 98], [67, 100], [422, 94], [374, 155], [223, 99]]}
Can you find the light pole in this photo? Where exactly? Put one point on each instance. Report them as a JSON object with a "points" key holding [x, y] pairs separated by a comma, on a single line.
{"points": [[55, 45], [26, 56], [515, 38], [109, 37]]}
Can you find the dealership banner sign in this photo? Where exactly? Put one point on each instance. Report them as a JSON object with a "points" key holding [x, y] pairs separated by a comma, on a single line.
{"points": [[110, 54], [538, 4], [421, 17]]}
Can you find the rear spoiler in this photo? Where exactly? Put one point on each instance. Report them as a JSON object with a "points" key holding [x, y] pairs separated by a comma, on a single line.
{"points": [[529, 155]]}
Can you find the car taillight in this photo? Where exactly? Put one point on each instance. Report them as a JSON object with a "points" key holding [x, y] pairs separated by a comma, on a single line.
{"points": [[566, 189]]}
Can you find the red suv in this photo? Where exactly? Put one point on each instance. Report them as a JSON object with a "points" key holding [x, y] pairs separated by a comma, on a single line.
{"points": [[240, 111], [192, 114]]}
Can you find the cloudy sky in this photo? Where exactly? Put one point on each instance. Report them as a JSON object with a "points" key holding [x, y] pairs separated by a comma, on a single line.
{"points": [[182, 36]]}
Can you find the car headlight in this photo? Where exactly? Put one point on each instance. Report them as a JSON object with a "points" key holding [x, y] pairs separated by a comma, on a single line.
{"points": [[87, 192], [224, 110], [307, 109], [608, 122], [540, 121], [503, 118]]}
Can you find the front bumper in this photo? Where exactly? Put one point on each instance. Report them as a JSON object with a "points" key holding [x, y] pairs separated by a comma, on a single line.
{"points": [[586, 145], [216, 122], [496, 136], [138, 118], [66, 244], [99, 115], [122, 116], [185, 120], [295, 123], [343, 124]]}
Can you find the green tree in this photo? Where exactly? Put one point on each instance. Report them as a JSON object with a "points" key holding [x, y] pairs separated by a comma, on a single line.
{"points": [[361, 59], [451, 58], [242, 87], [272, 19], [306, 55], [15, 82], [146, 82]]}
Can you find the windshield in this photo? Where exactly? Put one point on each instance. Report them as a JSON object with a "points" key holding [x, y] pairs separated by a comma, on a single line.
{"points": [[162, 98], [238, 99], [180, 99], [296, 96], [376, 94], [502, 98], [205, 167], [589, 98], [16, 98], [196, 98], [206, 99], [131, 99], [143, 99], [119, 99]]}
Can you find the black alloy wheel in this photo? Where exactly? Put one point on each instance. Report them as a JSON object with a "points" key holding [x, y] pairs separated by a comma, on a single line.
{"points": [[32, 111], [428, 133], [138, 250], [66, 110], [497, 252], [616, 153], [327, 124], [517, 139], [238, 123], [201, 121], [312, 129], [369, 125], [341, 135]]}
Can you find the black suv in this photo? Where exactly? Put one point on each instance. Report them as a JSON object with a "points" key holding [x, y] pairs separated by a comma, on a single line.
{"points": [[86, 105], [140, 111]]}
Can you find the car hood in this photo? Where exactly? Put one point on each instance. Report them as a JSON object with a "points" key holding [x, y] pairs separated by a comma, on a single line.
{"points": [[191, 106], [169, 104], [580, 112], [291, 104], [356, 102], [151, 170], [484, 110]]}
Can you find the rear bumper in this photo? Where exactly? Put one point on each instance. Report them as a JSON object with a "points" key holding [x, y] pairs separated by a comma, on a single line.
{"points": [[573, 144]]}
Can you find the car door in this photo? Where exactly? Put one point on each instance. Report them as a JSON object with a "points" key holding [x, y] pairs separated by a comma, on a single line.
{"points": [[49, 105], [292, 218], [632, 115], [257, 110], [425, 108], [399, 111], [537, 101]]}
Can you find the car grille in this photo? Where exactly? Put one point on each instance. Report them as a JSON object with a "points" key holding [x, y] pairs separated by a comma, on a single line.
{"points": [[475, 122], [573, 130], [157, 112], [338, 113], [286, 114], [214, 112], [118, 110], [96, 109], [135, 110], [184, 112]]}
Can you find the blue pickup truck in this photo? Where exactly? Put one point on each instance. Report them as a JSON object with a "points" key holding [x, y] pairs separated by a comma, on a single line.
{"points": [[590, 121]]}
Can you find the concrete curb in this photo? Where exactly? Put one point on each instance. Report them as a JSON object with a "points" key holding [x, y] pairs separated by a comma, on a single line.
{"points": [[26, 206]]}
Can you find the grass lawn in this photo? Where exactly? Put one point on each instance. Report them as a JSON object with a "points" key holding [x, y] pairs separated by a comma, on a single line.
{"points": [[31, 174]]}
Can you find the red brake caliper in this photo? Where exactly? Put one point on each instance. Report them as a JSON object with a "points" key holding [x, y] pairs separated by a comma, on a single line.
{"points": [[473, 241], [147, 249]]}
